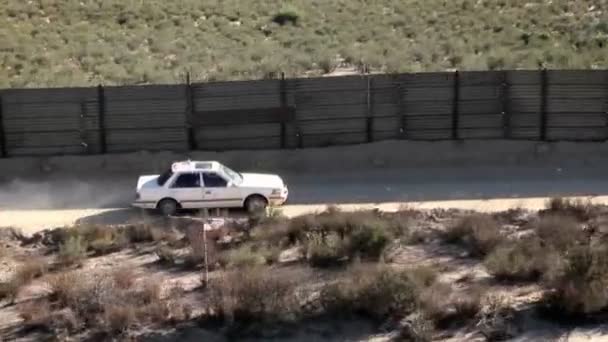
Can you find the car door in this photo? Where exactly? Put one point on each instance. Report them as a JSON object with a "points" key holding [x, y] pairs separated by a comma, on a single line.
{"points": [[187, 190], [218, 193]]}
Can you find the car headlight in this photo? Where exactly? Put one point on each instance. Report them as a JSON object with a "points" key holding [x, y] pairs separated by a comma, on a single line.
{"points": [[277, 191]]}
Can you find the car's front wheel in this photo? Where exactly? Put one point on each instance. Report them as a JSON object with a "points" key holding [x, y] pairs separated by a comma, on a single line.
{"points": [[168, 207], [255, 204]]}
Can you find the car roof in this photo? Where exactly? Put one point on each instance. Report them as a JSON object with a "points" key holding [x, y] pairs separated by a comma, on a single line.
{"points": [[195, 165]]}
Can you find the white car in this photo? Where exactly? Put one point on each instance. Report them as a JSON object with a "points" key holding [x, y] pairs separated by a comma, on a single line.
{"points": [[208, 184]]}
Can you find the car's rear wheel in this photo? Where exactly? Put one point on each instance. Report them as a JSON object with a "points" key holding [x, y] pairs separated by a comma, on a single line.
{"points": [[168, 207], [255, 204]]}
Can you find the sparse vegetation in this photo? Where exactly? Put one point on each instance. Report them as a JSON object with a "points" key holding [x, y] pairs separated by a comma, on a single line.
{"points": [[479, 233], [118, 42], [250, 291]]}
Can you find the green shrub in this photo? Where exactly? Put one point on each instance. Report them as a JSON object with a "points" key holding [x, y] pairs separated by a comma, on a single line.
{"points": [[285, 16], [480, 233], [369, 239]]}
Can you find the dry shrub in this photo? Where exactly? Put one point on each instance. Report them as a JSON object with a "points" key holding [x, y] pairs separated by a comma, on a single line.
{"points": [[369, 239], [577, 208], [151, 291], [242, 257], [497, 319], [25, 272], [378, 292], [63, 287], [72, 252], [119, 318], [480, 233], [444, 307], [325, 251], [423, 276], [521, 260], [31, 269], [124, 277], [165, 255], [581, 287], [254, 294], [36, 315], [416, 328], [561, 232]]}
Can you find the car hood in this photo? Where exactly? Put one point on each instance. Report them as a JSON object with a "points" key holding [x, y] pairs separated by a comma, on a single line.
{"points": [[147, 182], [259, 180]]}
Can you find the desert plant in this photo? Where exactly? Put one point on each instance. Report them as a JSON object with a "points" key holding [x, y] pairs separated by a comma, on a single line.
{"points": [[480, 233], [72, 252], [581, 288], [524, 259], [65, 287], [242, 257], [123, 277], [444, 307], [325, 251], [369, 239], [254, 294], [560, 232], [165, 255], [378, 292], [118, 318], [150, 291], [36, 315], [25, 272], [577, 208]]}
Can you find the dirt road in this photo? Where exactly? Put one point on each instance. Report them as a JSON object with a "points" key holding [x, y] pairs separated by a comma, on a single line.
{"points": [[56, 202]]}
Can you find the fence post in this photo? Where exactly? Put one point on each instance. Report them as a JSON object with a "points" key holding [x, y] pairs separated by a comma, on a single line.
{"points": [[504, 103], [283, 98], [190, 114], [455, 103], [369, 111], [543, 104], [3, 148], [101, 101]]}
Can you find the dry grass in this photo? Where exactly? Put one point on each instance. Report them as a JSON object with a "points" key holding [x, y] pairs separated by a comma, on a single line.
{"points": [[575, 208], [479, 233], [33, 268], [581, 286], [36, 315], [375, 291], [445, 308], [119, 318], [124, 277], [254, 294], [561, 232], [65, 287], [523, 260], [72, 252]]}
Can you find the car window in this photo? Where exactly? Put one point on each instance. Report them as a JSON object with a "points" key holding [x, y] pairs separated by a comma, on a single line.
{"points": [[162, 179], [213, 180], [187, 180]]}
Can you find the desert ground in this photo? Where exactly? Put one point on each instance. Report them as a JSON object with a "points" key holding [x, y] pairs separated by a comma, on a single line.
{"points": [[452, 254]]}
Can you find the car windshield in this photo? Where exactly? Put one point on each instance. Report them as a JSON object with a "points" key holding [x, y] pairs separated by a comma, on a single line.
{"points": [[235, 177], [162, 179]]}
